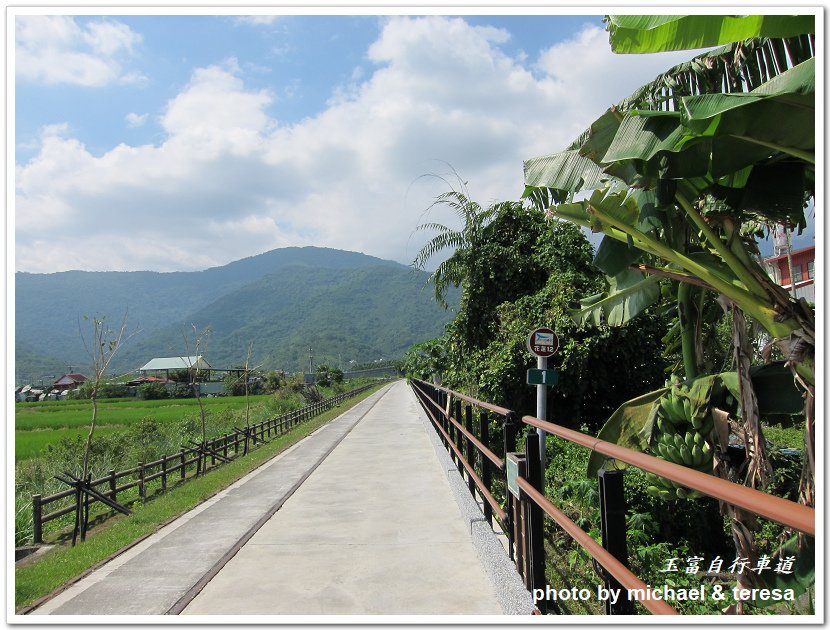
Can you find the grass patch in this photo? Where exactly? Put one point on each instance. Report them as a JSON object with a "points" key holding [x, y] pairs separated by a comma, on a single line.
{"points": [[28, 444], [785, 437], [63, 563], [118, 411]]}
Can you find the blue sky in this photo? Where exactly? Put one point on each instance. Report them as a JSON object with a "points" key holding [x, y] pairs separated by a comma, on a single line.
{"points": [[179, 142], [302, 59]]}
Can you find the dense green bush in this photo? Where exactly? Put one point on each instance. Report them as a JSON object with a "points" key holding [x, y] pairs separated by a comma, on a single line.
{"points": [[152, 391]]}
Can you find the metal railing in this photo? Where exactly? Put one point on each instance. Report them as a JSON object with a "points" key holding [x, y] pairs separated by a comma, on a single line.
{"points": [[522, 518], [175, 466]]}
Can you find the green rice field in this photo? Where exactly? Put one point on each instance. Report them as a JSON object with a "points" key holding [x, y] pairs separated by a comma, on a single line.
{"points": [[41, 423]]}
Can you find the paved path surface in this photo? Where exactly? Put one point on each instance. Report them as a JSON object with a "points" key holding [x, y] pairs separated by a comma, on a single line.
{"points": [[373, 529]]}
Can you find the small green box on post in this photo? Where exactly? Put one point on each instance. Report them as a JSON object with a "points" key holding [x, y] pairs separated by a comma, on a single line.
{"points": [[514, 465]]}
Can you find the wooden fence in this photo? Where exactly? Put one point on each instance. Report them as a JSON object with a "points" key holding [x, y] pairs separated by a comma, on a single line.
{"points": [[174, 467]]}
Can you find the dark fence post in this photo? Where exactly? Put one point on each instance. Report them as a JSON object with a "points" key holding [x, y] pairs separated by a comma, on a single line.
{"points": [[471, 451], [509, 438], [486, 476], [535, 516], [442, 405], [458, 437], [164, 473], [612, 513], [112, 484], [516, 526], [37, 519], [142, 491]]}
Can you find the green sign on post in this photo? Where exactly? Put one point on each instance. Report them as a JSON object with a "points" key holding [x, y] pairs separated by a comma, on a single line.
{"points": [[542, 377]]}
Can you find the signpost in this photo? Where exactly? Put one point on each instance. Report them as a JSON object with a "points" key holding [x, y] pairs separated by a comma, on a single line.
{"points": [[543, 343]]}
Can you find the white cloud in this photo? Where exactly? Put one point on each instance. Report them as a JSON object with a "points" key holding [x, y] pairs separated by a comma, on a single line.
{"points": [[135, 120], [257, 20], [56, 49], [228, 181]]}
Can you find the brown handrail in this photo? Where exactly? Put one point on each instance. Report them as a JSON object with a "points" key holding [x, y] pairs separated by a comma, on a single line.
{"points": [[482, 488], [502, 411], [497, 461], [788, 513], [616, 568]]}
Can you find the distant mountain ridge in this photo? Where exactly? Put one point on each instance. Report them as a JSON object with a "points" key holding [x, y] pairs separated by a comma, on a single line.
{"points": [[357, 307]]}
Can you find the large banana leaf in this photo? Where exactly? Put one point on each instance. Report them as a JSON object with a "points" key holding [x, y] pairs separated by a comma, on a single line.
{"points": [[629, 426], [658, 33], [614, 256], [567, 171], [779, 119], [630, 293], [803, 576]]}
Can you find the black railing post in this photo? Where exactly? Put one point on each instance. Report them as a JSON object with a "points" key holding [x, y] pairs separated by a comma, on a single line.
{"points": [[612, 514], [457, 435], [442, 404], [486, 475], [535, 516], [37, 519], [471, 449]]}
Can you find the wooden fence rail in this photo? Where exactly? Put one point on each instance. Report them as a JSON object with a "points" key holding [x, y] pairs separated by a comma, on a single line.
{"points": [[175, 466]]}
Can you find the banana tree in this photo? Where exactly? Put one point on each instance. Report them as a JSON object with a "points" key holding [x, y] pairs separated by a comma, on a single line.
{"points": [[677, 176]]}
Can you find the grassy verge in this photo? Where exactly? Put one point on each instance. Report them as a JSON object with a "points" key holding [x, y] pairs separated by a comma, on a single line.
{"points": [[61, 564]]}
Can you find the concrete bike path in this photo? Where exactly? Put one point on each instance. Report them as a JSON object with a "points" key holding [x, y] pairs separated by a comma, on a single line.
{"points": [[363, 522], [375, 530], [155, 575]]}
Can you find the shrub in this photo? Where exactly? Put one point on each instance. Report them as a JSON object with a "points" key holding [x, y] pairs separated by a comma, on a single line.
{"points": [[152, 391]]}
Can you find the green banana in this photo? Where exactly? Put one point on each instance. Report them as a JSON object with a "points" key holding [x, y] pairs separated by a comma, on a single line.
{"points": [[668, 495], [677, 408], [697, 455], [686, 454], [689, 438]]}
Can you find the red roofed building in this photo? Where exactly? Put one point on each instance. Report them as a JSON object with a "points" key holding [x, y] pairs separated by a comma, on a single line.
{"points": [[803, 271], [69, 381]]}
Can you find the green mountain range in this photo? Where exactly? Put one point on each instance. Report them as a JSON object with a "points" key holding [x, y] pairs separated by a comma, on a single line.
{"points": [[345, 306]]}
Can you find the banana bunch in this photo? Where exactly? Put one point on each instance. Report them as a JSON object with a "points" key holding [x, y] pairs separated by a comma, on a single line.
{"points": [[680, 438], [675, 410]]}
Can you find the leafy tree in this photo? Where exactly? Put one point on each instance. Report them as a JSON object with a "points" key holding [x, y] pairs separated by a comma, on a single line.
{"points": [[274, 380], [336, 375], [323, 375], [463, 242], [521, 273]]}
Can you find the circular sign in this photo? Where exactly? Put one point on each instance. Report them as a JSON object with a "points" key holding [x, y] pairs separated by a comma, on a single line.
{"points": [[543, 342]]}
